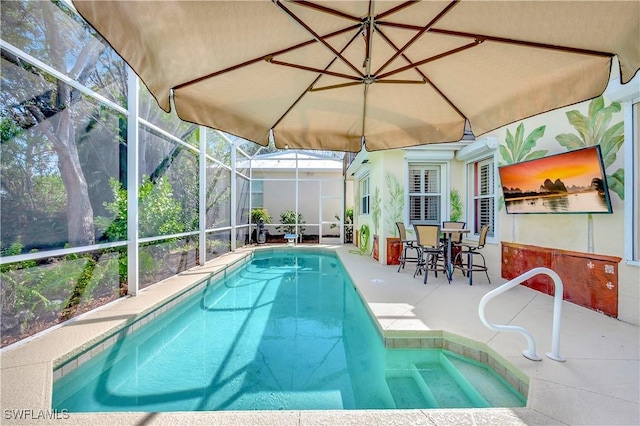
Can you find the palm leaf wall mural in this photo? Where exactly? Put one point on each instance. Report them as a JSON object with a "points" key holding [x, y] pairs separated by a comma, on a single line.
{"points": [[517, 148], [394, 208], [376, 210], [594, 129]]}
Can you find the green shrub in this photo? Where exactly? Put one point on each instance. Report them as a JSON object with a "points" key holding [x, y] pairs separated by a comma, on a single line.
{"points": [[456, 205], [288, 220], [49, 289], [349, 215], [260, 213], [159, 214]]}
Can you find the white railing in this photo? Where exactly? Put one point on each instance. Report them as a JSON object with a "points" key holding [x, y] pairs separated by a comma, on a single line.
{"points": [[530, 352]]}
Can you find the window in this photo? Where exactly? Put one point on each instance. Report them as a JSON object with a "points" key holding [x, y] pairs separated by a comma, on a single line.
{"points": [[257, 193], [365, 195], [425, 194], [482, 195]]}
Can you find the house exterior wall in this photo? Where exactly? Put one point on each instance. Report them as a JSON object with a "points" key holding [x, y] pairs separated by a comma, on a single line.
{"points": [[572, 231], [374, 169], [602, 234], [396, 179], [278, 196]]}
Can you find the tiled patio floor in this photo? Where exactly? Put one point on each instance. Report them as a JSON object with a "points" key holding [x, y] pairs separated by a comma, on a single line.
{"points": [[599, 384]]}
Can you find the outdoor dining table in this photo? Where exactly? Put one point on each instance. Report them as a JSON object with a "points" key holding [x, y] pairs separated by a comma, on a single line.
{"points": [[448, 232]]}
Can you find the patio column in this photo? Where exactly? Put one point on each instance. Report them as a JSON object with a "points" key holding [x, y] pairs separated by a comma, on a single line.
{"points": [[202, 194], [297, 189], [234, 197], [133, 126]]}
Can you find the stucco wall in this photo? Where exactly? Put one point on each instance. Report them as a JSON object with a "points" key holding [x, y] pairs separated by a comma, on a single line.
{"points": [[279, 196], [562, 231], [571, 231], [374, 168]]}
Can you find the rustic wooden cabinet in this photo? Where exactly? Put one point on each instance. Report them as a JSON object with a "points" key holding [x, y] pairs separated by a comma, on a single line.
{"points": [[589, 279]]}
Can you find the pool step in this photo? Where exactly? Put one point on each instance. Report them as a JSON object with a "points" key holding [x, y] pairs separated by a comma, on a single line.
{"points": [[409, 390], [495, 389], [464, 389], [433, 385]]}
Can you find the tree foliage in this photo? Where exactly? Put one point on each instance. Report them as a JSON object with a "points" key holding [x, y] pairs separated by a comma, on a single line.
{"points": [[159, 213], [51, 133]]}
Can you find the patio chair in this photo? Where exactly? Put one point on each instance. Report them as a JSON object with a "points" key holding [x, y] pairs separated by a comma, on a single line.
{"points": [[471, 251], [431, 255], [456, 237], [406, 245]]}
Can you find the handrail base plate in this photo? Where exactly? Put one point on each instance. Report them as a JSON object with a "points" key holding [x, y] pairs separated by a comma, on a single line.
{"points": [[532, 357], [555, 357]]}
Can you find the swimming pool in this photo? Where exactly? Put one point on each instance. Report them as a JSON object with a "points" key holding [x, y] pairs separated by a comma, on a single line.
{"points": [[286, 331]]}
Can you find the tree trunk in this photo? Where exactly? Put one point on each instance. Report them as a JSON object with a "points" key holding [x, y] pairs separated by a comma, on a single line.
{"points": [[79, 211], [61, 131]]}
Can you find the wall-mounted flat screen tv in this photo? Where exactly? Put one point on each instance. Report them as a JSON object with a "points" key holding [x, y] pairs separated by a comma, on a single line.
{"points": [[571, 182]]}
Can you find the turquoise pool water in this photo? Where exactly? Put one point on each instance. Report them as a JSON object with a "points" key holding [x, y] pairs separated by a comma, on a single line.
{"points": [[286, 332]]}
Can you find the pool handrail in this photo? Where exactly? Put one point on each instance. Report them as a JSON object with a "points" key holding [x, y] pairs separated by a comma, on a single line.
{"points": [[530, 352]]}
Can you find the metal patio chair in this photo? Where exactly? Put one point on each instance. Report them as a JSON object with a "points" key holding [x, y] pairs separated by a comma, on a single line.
{"points": [[431, 257], [407, 244], [456, 237], [470, 251]]}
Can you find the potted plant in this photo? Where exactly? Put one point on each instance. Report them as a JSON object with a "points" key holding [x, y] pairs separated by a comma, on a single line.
{"points": [[456, 215], [259, 216], [260, 213], [348, 224], [288, 219], [348, 229], [456, 205]]}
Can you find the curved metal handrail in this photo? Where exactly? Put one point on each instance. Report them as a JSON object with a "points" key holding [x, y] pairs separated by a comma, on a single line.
{"points": [[530, 352]]}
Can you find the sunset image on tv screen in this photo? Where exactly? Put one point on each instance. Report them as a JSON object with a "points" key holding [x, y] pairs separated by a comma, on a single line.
{"points": [[571, 182]]}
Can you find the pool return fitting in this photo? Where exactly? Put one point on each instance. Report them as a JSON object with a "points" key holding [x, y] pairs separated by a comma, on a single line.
{"points": [[530, 352]]}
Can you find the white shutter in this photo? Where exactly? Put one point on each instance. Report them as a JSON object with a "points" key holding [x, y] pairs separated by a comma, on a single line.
{"points": [[415, 180], [486, 179], [432, 181], [424, 193], [484, 196]]}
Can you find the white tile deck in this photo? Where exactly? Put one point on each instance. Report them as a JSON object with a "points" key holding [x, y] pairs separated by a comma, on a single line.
{"points": [[599, 384]]}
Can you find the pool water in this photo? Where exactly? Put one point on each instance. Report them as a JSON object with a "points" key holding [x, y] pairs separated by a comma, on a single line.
{"points": [[288, 331]]}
